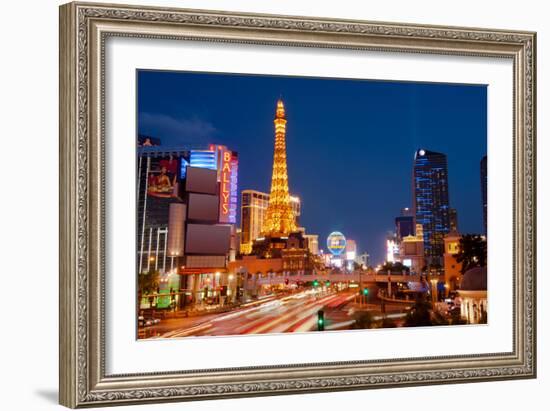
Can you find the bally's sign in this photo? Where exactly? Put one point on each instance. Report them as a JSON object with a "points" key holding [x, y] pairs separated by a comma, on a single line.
{"points": [[228, 187]]}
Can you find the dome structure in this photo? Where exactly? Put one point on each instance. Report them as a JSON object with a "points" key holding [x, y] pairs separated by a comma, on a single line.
{"points": [[475, 279]]}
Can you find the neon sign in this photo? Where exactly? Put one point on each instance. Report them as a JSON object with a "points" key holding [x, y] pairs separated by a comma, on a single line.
{"points": [[228, 187]]}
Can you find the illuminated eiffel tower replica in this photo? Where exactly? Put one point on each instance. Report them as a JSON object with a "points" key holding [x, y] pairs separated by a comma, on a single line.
{"points": [[279, 220], [279, 230]]}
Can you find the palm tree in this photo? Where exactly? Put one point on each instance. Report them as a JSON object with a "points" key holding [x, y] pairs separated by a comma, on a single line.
{"points": [[396, 267], [148, 283], [419, 315], [472, 252]]}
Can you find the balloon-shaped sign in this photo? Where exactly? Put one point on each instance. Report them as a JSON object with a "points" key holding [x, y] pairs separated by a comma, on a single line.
{"points": [[336, 243]]}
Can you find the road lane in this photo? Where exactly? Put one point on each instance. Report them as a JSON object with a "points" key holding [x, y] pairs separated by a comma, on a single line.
{"points": [[273, 314]]}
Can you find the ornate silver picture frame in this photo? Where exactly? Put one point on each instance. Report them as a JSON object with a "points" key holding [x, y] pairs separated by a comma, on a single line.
{"points": [[84, 30]]}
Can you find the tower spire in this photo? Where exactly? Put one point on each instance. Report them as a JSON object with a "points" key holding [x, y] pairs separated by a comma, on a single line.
{"points": [[280, 219]]}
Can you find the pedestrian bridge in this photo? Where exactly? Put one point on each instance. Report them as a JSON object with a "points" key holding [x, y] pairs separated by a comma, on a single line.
{"points": [[276, 278]]}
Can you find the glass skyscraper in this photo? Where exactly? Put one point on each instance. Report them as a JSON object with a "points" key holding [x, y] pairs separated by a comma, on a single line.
{"points": [[431, 201], [404, 226]]}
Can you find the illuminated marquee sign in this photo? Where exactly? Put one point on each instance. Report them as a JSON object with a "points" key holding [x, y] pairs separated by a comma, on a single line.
{"points": [[228, 187], [336, 243]]}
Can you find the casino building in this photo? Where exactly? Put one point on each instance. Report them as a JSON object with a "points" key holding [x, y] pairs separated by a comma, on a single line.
{"points": [[186, 215]]}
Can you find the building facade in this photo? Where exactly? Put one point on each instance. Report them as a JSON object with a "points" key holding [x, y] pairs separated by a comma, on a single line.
{"points": [[453, 269], [431, 201], [312, 243], [157, 187], [363, 260], [253, 207], [185, 213], [411, 251], [473, 296]]}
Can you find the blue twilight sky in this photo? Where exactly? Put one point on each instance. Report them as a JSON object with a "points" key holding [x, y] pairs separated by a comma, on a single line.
{"points": [[350, 143]]}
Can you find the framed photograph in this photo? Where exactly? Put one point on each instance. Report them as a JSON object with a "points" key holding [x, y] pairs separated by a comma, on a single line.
{"points": [[261, 205]]}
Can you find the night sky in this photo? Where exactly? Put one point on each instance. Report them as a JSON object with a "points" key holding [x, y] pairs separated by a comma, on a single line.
{"points": [[350, 143]]}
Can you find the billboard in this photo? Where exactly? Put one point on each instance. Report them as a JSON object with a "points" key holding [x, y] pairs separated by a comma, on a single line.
{"points": [[228, 187], [162, 180], [201, 180], [207, 239], [203, 207]]}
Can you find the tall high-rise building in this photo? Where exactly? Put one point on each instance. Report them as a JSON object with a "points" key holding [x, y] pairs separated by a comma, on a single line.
{"points": [[253, 207], [392, 248], [296, 206], [404, 226], [351, 249], [280, 220], [431, 201], [253, 211], [312, 243], [363, 260], [483, 175]]}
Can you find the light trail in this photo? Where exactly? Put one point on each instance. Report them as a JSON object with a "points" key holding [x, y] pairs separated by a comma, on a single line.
{"points": [[308, 310], [187, 331]]}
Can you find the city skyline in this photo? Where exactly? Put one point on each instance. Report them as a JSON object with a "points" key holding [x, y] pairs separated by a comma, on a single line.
{"points": [[187, 110]]}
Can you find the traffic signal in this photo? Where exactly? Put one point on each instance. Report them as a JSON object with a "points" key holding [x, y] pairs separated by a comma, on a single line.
{"points": [[327, 283], [320, 320], [365, 291], [315, 283]]}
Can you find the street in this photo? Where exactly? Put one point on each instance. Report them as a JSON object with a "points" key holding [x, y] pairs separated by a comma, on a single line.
{"points": [[296, 312]]}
